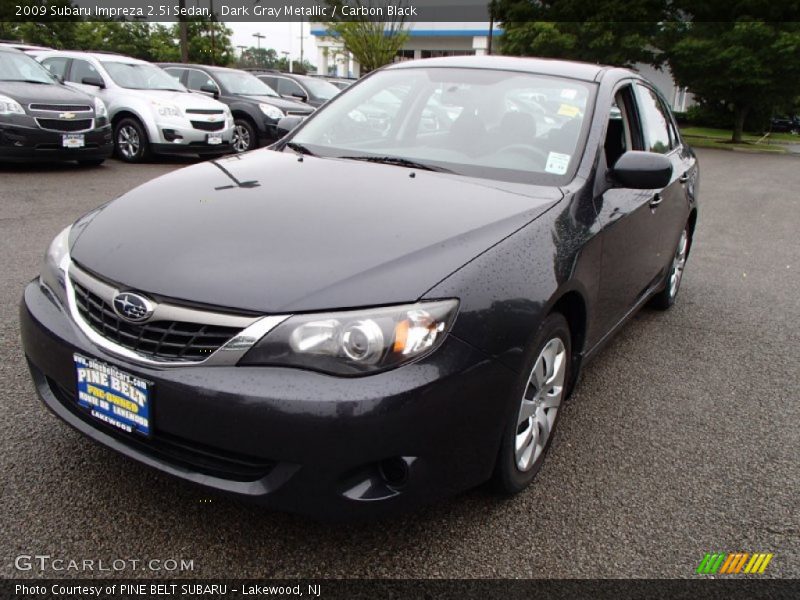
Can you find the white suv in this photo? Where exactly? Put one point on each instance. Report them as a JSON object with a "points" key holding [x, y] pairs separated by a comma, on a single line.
{"points": [[150, 111]]}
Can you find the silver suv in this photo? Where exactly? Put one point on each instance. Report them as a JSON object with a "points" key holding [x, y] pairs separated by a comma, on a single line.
{"points": [[149, 110]]}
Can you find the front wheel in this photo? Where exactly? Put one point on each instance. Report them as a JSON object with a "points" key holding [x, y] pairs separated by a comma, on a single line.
{"points": [[537, 401], [244, 136], [130, 141], [672, 281]]}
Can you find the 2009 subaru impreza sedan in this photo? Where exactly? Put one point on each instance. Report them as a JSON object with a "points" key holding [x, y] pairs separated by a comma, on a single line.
{"points": [[387, 307]]}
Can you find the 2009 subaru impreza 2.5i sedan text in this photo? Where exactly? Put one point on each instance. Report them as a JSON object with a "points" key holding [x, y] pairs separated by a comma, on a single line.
{"points": [[372, 314]]}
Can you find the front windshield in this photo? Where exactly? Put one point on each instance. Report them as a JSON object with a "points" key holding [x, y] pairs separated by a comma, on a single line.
{"points": [[244, 84], [141, 76], [20, 67], [321, 89], [503, 125]]}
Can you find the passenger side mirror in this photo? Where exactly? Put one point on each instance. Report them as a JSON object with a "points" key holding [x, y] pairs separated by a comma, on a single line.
{"points": [[211, 90], [642, 170], [300, 96], [95, 81], [286, 124]]}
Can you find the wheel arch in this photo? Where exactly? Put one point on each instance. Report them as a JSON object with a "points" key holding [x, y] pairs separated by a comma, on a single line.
{"points": [[572, 305]]}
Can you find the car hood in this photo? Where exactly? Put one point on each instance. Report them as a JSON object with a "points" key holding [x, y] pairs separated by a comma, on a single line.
{"points": [[282, 103], [182, 100], [265, 231], [25, 93]]}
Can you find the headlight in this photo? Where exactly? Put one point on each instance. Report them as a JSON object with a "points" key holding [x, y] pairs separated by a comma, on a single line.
{"points": [[356, 342], [9, 106], [100, 110], [167, 110], [273, 112], [54, 263]]}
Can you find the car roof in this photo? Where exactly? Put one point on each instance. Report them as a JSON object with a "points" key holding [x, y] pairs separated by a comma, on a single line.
{"points": [[101, 56], [539, 66], [200, 67], [19, 46]]}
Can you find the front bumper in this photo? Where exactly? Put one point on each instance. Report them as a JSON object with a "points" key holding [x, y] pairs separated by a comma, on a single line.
{"points": [[18, 142], [178, 136], [295, 440]]}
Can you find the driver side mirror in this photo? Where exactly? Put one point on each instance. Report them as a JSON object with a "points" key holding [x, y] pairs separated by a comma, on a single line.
{"points": [[95, 81], [211, 90], [300, 96], [642, 170]]}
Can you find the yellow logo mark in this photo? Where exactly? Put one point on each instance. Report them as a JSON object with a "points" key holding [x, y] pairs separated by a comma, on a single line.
{"points": [[67, 115]]}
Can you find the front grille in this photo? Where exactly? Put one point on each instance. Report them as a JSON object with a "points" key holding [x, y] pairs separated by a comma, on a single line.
{"points": [[59, 125], [167, 340], [208, 126], [61, 107], [173, 449], [204, 111]]}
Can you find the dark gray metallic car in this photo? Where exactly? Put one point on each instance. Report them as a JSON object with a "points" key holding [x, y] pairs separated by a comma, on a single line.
{"points": [[361, 320]]}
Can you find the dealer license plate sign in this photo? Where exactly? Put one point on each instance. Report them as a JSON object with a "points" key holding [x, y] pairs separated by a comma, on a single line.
{"points": [[73, 140], [213, 139], [113, 396]]}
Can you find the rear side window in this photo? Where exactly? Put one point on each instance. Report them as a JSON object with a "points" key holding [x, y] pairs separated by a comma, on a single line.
{"points": [[175, 72], [57, 65], [287, 87], [655, 121], [81, 69]]}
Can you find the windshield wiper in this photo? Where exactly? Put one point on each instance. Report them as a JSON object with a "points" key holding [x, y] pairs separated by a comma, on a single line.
{"points": [[299, 148], [399, 161]]}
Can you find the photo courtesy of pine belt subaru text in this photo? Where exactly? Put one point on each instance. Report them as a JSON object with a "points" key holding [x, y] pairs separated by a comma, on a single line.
{"points": [[150, 112], [43, 119], [388, 306]]}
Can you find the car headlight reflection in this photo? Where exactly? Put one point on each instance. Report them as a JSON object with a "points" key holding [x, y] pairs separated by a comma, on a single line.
{"points": [[53, 273], [356, 342]]}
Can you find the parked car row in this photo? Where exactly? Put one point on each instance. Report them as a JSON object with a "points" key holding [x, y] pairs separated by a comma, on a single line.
{"points": [[84, 106]]}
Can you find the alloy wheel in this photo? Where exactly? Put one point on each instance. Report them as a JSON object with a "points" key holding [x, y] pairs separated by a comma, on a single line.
{"points": [[540, 403], [678, 264], [128, 141], [241, 138]]}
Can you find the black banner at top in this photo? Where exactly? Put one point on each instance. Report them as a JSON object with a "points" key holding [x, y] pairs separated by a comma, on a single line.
{"points": [[385, 10]]}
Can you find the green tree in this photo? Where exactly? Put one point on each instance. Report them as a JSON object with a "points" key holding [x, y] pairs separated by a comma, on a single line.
{"points": [[372, 43], [614, 32], [747, 66], [206, 47]]}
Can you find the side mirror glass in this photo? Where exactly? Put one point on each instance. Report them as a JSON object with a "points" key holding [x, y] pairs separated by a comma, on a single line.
{"points": [[286, 124], [300, 96], [95, 81], [642, 170]]}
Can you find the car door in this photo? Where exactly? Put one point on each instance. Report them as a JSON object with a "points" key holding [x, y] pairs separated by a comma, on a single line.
{"points": [[630, 231], [661, 136]]}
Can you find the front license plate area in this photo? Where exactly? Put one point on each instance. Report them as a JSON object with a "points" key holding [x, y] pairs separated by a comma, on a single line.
{"points": [[214, 139], [113, 396], [73, 140]]}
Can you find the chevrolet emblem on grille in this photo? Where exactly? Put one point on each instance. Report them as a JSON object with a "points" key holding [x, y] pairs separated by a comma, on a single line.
{"points": [[133, 307], [67, 115]]}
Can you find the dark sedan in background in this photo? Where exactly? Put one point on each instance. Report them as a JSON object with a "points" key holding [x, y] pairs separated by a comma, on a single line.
{"points": [[361, 320], [310, 90], [257, 109], [42, 119]]}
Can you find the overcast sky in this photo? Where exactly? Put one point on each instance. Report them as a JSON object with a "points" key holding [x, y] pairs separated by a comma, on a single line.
{"points": [[283, 37]]}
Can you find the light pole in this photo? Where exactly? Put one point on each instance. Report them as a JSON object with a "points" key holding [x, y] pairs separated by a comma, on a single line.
{"points": [[286, 55], [259, 37]]}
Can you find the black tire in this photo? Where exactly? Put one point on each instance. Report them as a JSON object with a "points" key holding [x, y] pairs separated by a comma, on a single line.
{"points": [[665, 298], [133, 148], [91, 162], [243, 128], [508, 479]]}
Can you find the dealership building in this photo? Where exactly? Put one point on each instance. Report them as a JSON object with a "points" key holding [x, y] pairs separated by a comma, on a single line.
{"points": [[429, 39]]}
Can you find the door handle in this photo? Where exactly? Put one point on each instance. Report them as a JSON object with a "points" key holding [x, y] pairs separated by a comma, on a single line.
{"points": [[656, 200], [684, 178]]}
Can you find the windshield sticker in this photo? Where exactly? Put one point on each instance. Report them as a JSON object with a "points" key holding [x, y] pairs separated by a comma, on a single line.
{"points": [[569, 93], [567, 110], [557, 163]]}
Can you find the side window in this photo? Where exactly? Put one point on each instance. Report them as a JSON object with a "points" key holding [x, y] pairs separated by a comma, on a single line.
{"points": [[197, 79], [287, 87], [271, 82], [175, 73], [655, 121], [81, 69], [57, 65]]}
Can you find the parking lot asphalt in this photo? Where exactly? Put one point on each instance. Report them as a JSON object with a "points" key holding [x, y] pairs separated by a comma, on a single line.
{"points": [[681, 438]]}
